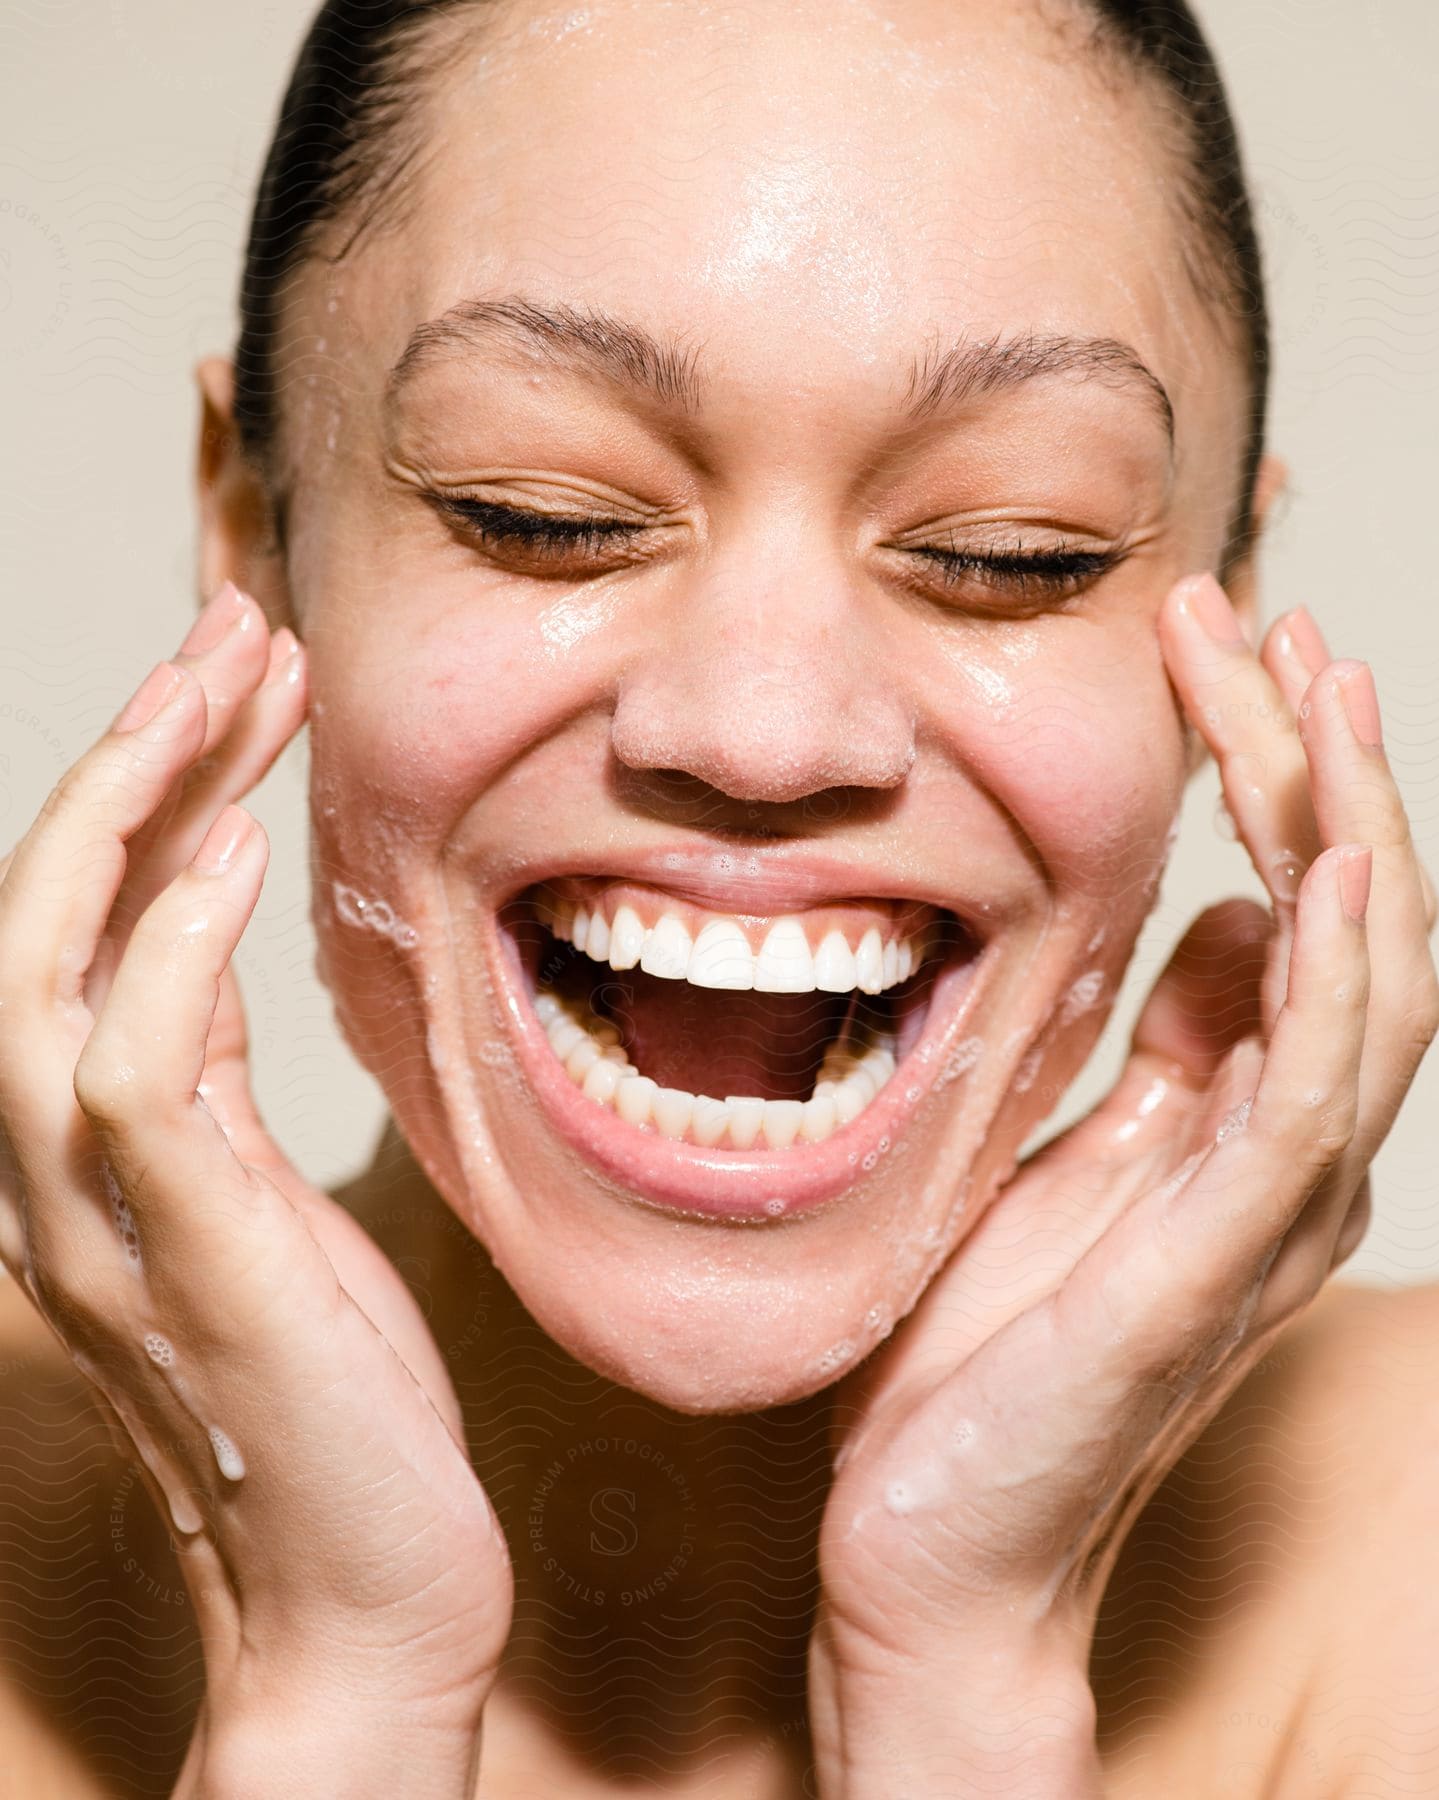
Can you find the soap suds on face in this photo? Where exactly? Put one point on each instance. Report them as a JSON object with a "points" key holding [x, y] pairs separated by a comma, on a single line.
{"points": [[567, 623], [1082, 997], [159, 1350], [353, 908], [961, 1059]]}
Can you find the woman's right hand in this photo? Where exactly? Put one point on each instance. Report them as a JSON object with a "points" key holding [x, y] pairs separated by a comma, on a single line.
{"points": [[277, 1381]]}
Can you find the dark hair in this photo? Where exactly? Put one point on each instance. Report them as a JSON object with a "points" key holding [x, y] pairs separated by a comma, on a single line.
{"points": [[349, 130]]}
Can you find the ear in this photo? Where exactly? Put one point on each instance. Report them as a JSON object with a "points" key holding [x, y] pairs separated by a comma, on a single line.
{"points": [[237, 527]]}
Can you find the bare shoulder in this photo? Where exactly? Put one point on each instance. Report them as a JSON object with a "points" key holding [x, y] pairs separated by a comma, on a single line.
{"points": [[1273, 1624], [98, 1660]]}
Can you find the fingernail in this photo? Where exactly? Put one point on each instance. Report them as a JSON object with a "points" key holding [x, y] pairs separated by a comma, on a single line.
{"points": [[1308, 640], [1356, 874], [223, 842], [1210, 605], [1361, 703], [283, 647], [159, 687], [216, 618]]}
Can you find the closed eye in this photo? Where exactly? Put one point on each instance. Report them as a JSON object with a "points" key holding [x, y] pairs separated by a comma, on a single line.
{"points": [[556, 540]]}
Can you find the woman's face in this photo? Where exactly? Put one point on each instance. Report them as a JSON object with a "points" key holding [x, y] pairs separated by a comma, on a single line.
{"points": [[812, 298]]}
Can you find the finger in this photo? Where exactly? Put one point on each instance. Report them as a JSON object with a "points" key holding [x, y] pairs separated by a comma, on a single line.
{"points": [[228, 646], [1243, 717], [1203, 1003], [136, 1062], [62, 880], [145, 1055], [1283, 1151], [1162, 1308], [1356, 799], [1208, 998], [261, 728], [136, 1080], [1294, 651], [229, 650], [1356, 1223]]}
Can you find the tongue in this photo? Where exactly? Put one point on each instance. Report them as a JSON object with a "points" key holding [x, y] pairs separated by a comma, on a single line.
{"points": [[715, 1042]]}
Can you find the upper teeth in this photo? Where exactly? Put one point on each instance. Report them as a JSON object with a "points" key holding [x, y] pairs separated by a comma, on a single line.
{"points": [[720, 956]]}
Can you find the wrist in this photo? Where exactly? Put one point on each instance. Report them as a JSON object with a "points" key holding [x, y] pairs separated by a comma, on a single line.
{"points": [[1015, 1720]]}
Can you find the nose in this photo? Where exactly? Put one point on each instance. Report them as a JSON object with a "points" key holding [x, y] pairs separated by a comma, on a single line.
{"points": [[775, 695]]}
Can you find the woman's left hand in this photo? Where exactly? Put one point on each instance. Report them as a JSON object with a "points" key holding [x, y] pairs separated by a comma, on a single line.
{"points": [[993, 1454]]}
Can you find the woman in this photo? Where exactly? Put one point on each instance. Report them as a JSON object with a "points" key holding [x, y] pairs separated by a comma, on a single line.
{"points": [[758, 508]]}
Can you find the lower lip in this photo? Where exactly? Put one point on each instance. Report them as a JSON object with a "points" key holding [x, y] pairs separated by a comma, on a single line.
{"points": [[753, 1187]]}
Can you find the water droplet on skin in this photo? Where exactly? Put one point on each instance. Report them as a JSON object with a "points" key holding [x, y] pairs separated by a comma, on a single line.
{"points": [[1286, 871]]}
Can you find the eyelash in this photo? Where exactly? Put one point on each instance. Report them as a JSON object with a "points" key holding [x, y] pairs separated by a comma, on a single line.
{"points": [[1054, 572]]}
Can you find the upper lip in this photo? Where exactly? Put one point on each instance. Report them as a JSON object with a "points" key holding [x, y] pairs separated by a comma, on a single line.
{"points": [[755, 881]]}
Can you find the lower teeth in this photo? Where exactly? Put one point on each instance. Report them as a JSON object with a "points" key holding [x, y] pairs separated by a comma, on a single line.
{"points": [[589, 1048]]}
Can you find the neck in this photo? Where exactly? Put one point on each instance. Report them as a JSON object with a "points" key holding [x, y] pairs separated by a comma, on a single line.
{"points": [[664, 1563]]}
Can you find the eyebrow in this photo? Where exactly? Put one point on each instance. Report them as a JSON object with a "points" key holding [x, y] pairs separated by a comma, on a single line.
{"points": [[668, 371]]}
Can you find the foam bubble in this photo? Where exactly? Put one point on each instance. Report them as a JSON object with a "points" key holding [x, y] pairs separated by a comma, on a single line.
{"points": [[368, 914], [1082, 997], [231, 1463], [123, 1217]]}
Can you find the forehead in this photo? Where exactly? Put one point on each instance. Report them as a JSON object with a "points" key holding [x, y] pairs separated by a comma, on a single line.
{"points": [[811, 188]]}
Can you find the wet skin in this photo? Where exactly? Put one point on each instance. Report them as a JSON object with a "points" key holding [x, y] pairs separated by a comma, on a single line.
{"points": [[775, 694]]}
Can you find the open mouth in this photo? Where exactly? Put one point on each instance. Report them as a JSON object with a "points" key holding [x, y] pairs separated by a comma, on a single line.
{"points": [[729, 1032]]}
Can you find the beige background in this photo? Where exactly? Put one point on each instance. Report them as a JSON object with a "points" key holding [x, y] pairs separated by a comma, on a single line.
{"points": [[131, 132]]}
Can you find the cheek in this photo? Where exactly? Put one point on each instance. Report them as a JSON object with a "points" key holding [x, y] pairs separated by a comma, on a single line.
{"points": [[1074, 732], [412, 726]]}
